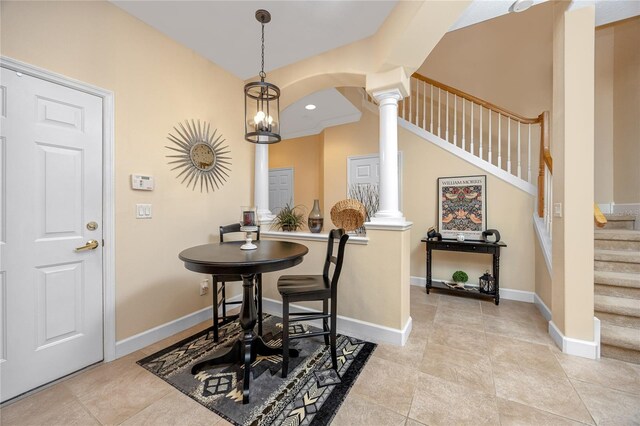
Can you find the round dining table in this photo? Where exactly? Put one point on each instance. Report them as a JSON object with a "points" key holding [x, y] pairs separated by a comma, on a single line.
{"points": [[228, 259]]}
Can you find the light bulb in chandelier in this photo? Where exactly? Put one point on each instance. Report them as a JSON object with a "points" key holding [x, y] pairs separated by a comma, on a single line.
{"points": [[263, 123]]}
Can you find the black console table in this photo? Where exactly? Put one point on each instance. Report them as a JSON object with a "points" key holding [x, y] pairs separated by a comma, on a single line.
{"points": [[468, 247]]}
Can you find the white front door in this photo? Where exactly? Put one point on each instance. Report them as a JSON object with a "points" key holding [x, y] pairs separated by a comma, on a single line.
{"points": [[280, 188], [51, 308]]}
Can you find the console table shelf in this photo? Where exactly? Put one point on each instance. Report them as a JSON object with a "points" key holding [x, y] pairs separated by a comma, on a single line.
{"points": [[467, 247]]}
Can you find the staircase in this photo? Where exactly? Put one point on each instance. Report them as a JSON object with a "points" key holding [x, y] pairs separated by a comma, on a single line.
{"points": [[617, 288]]}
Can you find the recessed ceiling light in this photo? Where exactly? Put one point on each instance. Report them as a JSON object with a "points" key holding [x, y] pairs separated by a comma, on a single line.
{"points": [[310, 107], [521, 5]]}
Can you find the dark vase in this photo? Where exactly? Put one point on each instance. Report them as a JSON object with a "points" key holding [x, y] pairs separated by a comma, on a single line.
{"points": [[315, 220]]}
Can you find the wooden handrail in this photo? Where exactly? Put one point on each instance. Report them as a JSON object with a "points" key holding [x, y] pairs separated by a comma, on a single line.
{"points": [[598, 217], [478, 101], [546, 154]]}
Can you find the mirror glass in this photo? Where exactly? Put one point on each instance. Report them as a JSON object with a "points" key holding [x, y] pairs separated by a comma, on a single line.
{"points": [[202, 156]]}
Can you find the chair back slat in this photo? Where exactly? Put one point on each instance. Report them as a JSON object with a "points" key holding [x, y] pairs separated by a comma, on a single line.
{"points": [[336, 260]]}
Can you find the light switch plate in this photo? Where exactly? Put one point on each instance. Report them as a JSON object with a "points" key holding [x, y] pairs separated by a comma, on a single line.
{"points": [[557, 210], [143, 211]]}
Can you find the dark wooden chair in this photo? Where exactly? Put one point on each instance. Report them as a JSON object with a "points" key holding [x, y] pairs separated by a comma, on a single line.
{"points": [[220, 285], [303, 288]]}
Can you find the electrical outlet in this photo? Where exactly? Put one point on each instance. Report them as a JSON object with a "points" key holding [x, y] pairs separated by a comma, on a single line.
{"points": [[204, 287]]}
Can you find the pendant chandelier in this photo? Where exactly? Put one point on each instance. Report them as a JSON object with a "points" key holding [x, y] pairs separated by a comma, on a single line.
{"points": [[262, 102]]}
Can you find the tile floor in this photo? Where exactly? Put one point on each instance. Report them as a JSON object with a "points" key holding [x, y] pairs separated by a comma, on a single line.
{"points": [[466, 362]]}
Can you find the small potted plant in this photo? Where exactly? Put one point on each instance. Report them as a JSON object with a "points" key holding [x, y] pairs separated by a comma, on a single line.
{"points": [[460, 278], [288, 218]]}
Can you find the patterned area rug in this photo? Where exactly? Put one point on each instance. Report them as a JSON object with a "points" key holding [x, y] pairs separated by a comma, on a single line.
{"points": [[310, 395]]}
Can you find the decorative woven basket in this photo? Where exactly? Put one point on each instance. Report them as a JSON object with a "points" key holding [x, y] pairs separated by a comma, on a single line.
{"points": [[348, 214]]}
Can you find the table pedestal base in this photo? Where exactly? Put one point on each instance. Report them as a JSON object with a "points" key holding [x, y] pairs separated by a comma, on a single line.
{"points": [[243, 351]]}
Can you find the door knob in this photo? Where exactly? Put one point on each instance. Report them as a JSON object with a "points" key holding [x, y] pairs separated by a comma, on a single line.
{"points": [[91, 245]]}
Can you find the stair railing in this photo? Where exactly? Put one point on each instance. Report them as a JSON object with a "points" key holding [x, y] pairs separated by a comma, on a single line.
{"points": [[489, 132]]}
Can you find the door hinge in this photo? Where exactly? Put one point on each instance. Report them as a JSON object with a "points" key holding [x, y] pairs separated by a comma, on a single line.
{"points": [[102, 243]]}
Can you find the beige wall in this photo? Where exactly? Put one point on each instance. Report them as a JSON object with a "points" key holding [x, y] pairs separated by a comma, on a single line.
{"points": [[378, 295], [157, 83], [509, 209], [573, 155], [626, 116], [305, 156], [617, 149], [506, 61], [604, 115]]}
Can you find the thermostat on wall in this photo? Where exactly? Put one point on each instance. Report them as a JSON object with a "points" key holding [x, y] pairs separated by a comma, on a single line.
{"points": [[142, 182]]}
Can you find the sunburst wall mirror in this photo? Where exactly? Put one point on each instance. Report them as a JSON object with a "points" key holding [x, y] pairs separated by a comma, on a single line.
{"points": [[202, 158]]}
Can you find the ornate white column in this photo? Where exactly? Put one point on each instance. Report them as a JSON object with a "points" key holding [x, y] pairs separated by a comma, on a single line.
{"points": [[389, 209], [261, 183]]}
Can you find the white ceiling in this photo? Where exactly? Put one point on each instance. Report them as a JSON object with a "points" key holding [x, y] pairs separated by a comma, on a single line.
{"points": [[332, 109], [227, 33]]}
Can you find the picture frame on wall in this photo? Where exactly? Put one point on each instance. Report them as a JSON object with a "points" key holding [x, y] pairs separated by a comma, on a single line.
{"points": [[462, 208]]}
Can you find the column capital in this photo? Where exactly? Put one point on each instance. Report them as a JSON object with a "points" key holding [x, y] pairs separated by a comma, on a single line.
{"points": [[389, 83], [388, 95]]}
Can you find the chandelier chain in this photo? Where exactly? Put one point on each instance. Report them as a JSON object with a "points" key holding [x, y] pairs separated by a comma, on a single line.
{"points": [[262, 73]]}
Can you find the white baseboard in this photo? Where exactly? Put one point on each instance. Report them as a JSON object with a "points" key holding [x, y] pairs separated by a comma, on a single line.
{"points": [[606, 208], [350, 326], [505, 293], [544, 310], [626, 209], [577, 347], [155, 334], [545, 241]]}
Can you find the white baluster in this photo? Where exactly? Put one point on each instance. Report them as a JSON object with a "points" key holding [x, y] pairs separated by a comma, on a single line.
{"points": [[417, 102], [480, 153], [439, 108], [431, 120], [463, 124], [519, 159], [490, 138], [499, 141], [549, 200], [529, 156], [455, 119], [404, 108], [471, 126], [509, 144], [410, 99], [424, 105], [446, 126]]}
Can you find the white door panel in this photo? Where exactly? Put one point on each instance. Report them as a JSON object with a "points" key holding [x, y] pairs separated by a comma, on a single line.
{"points": [[280, 188], [365, 169], [51, 169]]}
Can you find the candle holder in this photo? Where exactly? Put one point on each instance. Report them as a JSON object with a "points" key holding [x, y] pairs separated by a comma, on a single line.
{"points": [[248, 225]]}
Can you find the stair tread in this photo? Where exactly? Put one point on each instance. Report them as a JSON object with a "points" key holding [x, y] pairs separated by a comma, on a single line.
{"points": [[617, 234], [620, 279], [616, 335], [617, 305], [627, 256]]}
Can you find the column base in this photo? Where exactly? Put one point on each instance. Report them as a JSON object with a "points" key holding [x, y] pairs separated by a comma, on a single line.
{"points": [[265, 217], [393, 222]]}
